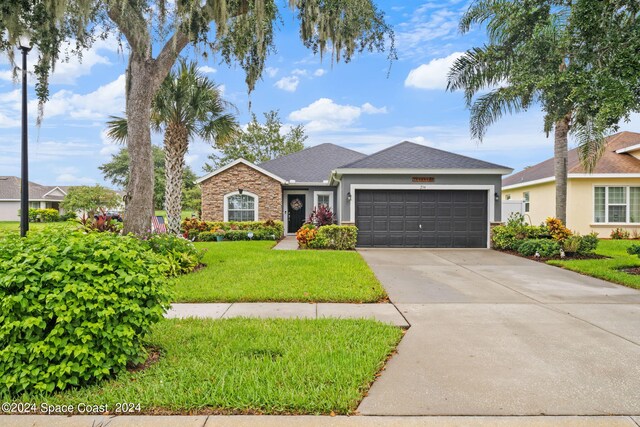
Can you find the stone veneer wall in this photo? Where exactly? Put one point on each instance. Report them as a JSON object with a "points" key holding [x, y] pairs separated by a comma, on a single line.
{"points": [[268, 190]]}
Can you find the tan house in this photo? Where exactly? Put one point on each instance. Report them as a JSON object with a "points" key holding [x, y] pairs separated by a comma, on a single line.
{"points": [[40, 197], [605, 199]]}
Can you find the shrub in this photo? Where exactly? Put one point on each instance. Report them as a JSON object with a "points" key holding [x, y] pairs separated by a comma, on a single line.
{"points": [[547, 248], [633, 249], [338, 237], [262, 230], [557, 230], [206, 236], [306, 234], [68, 216], [619, 234], [189, 224], [102, 223], [180, 255], [572, 244], [320, 216], [44, 215], [75, 308], [588, 244]]}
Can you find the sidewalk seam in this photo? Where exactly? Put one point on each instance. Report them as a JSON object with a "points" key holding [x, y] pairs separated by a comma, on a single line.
{"points": [[225, 312]]}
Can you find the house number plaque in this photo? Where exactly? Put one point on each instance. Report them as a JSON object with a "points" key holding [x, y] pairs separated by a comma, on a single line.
{"points": [[422, 179]]}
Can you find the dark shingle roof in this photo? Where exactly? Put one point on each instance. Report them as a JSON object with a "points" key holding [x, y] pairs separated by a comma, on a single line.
{"points": [[313, 164], [10, 190], [610, 162], [409, 155]]}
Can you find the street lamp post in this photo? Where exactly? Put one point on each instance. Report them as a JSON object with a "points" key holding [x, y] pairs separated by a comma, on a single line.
{"points": [[25, 47]]}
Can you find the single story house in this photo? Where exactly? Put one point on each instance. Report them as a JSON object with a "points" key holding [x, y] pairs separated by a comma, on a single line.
{"points": [[407, 195], [40, 197], [607, 198]]}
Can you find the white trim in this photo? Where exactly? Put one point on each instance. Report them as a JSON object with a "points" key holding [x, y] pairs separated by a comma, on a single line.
{"points": [[244, 192], [245, 162], [323, 193], [629, 148], [528, 183], [400, 171], [491, 189], [627, 205], [54, 189], [305, 184], [572, 176]]}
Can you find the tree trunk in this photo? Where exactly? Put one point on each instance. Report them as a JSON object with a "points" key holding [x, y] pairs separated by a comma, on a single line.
{"points": [[139, 208], [560, 155], [176, 143]]}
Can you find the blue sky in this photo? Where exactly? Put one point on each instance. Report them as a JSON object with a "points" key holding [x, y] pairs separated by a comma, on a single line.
{"points": [[355, 105]]}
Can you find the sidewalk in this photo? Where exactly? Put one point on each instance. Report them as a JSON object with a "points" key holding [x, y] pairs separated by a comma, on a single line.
{"points": [[309, 421], [386, 313], [289, 243]]}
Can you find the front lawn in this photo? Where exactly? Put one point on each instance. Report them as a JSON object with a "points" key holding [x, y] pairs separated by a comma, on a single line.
{"points": [[271, 366], [8, 226], [607, 268], [253, 272]]}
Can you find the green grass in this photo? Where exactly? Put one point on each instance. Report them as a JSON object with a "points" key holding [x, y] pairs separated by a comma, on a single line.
{"points": [[8, 226], [183, 215], [251, 271], [607, 269], [271, 366]]}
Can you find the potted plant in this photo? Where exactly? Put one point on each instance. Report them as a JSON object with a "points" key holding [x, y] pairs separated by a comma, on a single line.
{"points": [[219, 234]]}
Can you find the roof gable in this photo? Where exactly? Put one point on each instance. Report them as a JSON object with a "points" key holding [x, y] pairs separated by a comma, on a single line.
{"points": [[409, 155], [313, 164], [236, 162], [615, 160]]}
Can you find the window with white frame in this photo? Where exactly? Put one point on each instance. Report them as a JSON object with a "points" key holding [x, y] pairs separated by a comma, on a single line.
{"points": [[616, 204], [527, 204], [323, 198], [241, 207]]}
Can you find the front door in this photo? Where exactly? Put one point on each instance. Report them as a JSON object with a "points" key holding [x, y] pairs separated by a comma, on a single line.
{"points": [[295, 212]]}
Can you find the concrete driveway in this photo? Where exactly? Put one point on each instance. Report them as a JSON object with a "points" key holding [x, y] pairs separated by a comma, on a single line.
{"points": [[494, 334]]}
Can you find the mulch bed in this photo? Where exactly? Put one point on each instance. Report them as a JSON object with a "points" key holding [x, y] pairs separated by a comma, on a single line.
{"points": [[567, 258], [632, 270], [153, 357]]}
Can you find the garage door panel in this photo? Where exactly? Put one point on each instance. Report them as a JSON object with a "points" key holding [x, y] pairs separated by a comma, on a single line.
{"points": [[422, 218]]}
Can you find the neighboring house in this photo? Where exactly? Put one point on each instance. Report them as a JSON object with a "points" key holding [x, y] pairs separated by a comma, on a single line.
{"points": [[607, 198], [40, 197], [408, 195]]}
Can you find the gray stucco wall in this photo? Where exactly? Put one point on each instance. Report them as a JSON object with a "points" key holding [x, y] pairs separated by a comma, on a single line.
{"points": [[309, 199], [438, 180]]}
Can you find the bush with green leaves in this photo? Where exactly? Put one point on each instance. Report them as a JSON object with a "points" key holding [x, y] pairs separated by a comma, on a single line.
{"points": [[75, 308], [634, 250], [262, 230], [181, 256], [547, 248], [571, 244], [336, 237], [43, 215], [619, 234], [588, 244]]}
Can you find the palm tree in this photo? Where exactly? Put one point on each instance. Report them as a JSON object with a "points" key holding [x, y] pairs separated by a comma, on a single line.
{"points": [[187, 105], [534, 57]]}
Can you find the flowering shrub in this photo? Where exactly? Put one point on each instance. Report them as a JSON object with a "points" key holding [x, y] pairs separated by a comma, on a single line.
{"points": [[619, 234], [306, 234], [557, 230], [320, 216], [262, 230]]}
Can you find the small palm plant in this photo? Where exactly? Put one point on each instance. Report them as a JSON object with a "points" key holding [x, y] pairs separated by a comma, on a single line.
{"points": [[188, 105]]}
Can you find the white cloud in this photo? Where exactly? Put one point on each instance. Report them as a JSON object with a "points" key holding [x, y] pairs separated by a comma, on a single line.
{"points": [[8, 122], [271, 71], [289, 84], [207, 70], [324, 114], [432, 75], [370, 109], [429, 22], [299, 72], [69, 178], [320, 72], [108, 99]]}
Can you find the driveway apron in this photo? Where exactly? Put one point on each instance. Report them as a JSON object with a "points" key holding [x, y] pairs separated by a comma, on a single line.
{"points": [[495, 334]]}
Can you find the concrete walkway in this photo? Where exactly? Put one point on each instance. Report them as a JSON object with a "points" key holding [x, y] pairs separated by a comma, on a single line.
{"points": [[386, 313], [494, 334], [309, 421], [289, 243]]}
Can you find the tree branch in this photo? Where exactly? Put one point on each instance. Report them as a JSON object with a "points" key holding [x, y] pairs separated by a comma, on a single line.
{"points": [[133, 25]]}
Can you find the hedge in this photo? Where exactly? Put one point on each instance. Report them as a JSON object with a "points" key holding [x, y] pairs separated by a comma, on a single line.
{"points": [[337, 237], [75, 307], [197, 230]]}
